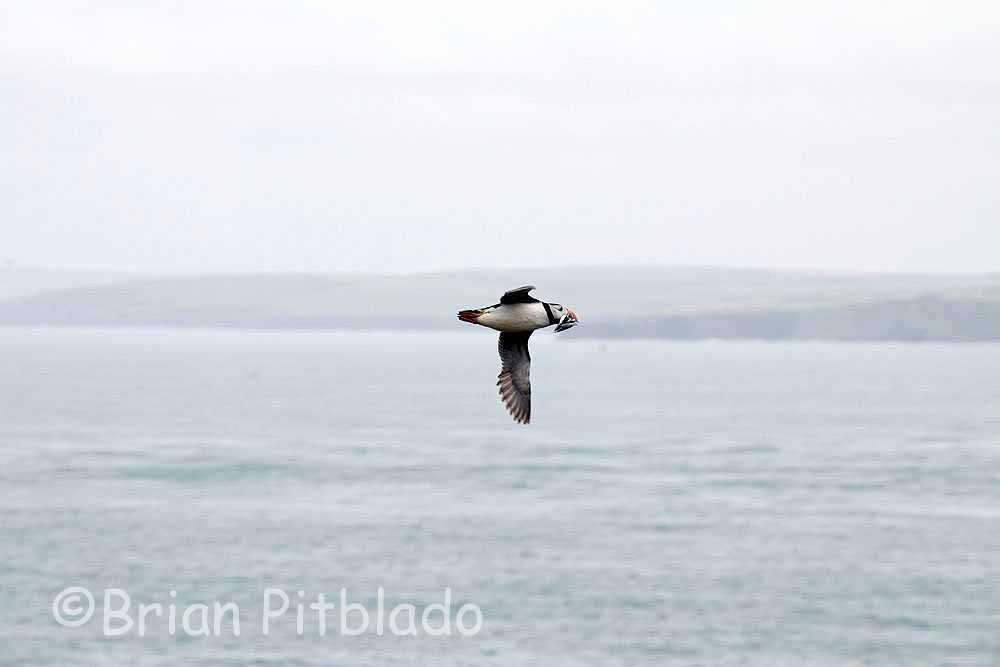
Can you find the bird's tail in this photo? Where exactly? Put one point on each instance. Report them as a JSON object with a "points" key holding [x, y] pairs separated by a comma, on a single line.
{"points": [[470, 315]]}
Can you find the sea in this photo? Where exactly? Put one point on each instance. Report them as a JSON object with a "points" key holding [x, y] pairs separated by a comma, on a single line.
{"points": [[671, 503]]}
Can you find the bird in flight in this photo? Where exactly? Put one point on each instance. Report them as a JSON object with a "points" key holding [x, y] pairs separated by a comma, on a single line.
{"points": [[515, 317]]}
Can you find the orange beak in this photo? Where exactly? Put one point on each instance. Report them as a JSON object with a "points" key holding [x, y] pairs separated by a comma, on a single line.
{"points": [[568, 321]]}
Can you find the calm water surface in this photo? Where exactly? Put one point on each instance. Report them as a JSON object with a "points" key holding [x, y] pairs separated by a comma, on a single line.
{"points": [[671, 504]]}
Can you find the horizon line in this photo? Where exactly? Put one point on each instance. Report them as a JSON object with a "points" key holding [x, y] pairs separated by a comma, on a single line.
{"points": [[629, 265]]}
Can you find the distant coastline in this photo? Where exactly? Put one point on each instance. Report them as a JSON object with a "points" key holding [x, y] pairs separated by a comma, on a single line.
{"points": [[639, 302]]}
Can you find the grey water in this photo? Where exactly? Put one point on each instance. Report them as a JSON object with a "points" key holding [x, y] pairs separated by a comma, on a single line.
{"points": [[672, 503]]}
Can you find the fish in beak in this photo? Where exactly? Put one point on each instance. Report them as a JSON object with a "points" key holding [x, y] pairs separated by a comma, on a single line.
{"points": [[567, 321]]}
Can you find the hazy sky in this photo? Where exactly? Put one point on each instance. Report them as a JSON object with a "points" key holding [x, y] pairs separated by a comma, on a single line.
{"points": [[407, 136]]}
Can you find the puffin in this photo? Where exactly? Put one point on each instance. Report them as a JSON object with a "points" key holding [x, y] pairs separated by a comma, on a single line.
{"points": [[516, 316]]}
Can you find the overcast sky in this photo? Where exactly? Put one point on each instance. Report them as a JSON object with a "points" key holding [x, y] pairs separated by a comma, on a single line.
{"points": [[415, 136]]}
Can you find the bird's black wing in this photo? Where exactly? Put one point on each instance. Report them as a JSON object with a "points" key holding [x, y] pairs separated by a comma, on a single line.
{"points": [[519, 295], [514, 380]]}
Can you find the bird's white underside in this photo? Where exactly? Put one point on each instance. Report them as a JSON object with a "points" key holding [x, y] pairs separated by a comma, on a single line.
{"points": [[515, 317]]}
